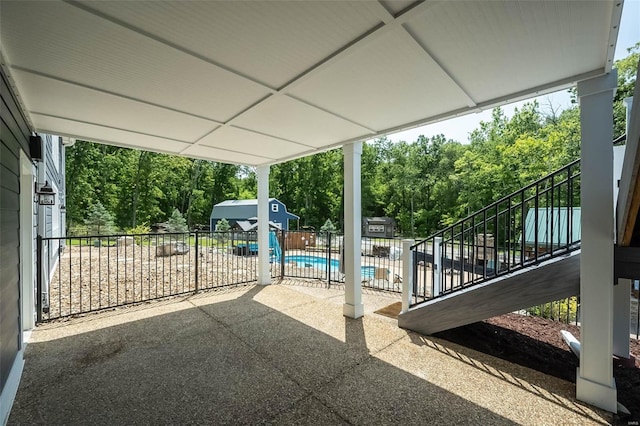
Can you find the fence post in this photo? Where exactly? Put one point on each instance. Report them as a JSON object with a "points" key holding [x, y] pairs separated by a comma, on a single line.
{"points": [[283, 248], [197, 262], [39, 280], [328, 258], [437, 265], [407, 274]]}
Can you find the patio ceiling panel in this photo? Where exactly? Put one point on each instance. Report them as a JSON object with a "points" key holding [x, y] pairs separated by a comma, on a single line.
{"points": [[117, 137], [47, 97], [498, 48], [396, 6], [286, 118], [370, 85], [233, 138], [265, 82], [65, 42], [250, 38], [235, 157]]}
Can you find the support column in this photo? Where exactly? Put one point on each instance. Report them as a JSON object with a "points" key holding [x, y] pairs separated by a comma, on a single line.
{"points": [[264, 270], [595, 383], [621, 318], [407, 274], [622, 289], [353, 306]]}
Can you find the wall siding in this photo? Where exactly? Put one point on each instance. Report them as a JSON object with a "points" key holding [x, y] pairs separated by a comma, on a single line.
{"points": [[14, 136]]}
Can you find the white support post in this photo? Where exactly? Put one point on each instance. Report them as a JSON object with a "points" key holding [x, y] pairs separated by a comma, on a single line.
{"points": [[622, 289], [264, 270], [437, 266], [353, 307], [621, 318], [407, 274], [595, 383]]}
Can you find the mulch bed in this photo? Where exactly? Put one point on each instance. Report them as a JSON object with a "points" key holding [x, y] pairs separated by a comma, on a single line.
{"points": [[536, 343]]}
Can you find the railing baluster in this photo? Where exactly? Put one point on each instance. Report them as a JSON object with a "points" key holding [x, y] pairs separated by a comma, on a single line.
{"points": [[505, 235], [484, 245], [553, 213]]}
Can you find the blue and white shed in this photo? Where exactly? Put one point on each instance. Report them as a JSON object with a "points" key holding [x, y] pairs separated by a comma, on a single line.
{"points": [[242, 210]]}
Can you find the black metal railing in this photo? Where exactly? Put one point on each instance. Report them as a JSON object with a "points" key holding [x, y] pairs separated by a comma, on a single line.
{"points": [[533, 224], [312, 255], [91, 273], [566, 311]]}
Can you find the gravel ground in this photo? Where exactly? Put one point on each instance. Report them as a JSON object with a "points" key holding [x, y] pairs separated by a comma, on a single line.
{"points": [[90, 278]]}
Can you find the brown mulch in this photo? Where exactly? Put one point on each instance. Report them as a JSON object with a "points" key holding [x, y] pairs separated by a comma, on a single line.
{"points": [[536, 343]]}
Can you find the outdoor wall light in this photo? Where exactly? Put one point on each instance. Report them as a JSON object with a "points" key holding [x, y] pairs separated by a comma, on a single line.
{"points": [[46, 195]]}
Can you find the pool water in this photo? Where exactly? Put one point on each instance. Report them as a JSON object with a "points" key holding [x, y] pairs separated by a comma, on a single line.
{"points": [[320, 263]]}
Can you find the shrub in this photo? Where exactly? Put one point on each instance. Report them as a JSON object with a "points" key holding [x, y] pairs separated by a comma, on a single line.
{"points": [[139, 229], [563, 310]]}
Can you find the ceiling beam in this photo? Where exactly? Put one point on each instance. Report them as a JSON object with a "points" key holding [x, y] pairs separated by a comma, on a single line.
{"points": [[364, 40], [431, 60]]}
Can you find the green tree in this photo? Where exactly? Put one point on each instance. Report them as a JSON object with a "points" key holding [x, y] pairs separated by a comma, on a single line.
{"points": [[177, 222], [328, 226], [222, 225], [222, 228], [627, 70], [99, 220]]}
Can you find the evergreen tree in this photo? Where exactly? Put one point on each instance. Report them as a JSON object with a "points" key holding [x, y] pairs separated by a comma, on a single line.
{"points": [[328, 226], [99, 220], [177, 222], [222, 225]]}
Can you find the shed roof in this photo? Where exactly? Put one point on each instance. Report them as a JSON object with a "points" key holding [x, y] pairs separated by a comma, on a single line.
{"points": [[380, 219], [262, 82], [244, 209], [566, 221]]}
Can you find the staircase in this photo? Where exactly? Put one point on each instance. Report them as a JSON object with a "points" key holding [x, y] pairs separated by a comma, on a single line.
{"points": [[523, 250]]}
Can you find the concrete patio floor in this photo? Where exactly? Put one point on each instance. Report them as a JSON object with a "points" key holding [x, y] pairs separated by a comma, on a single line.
{"points": [[280, 354]]}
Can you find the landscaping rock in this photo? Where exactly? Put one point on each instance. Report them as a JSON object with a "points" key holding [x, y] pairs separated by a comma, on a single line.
{"points": [[170, 249], [125, 241]]}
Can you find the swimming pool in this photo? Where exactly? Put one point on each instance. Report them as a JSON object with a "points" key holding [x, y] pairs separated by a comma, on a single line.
{"points": [[320, 263]]}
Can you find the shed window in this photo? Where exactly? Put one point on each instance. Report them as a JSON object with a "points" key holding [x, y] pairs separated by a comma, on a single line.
{"points": [[274, 208], [376, 228]]}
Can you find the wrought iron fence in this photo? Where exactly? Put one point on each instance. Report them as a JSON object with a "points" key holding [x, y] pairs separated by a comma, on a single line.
{"points": [[535, 223], [319, 256], [90, 273], [566, 310], [94, 272]]}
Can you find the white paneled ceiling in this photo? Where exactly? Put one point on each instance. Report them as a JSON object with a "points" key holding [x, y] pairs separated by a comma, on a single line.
{"points": [[262, 82]]}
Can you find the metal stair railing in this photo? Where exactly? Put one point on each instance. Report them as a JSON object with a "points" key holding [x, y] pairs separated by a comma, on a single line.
{"points": [[536, 223]]}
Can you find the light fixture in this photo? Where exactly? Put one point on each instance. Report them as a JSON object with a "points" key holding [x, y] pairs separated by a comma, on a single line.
{"points": [[46, 195]]}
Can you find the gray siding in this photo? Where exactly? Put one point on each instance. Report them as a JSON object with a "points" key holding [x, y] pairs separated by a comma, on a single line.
{"points": [[14, 136], [53, 172]]}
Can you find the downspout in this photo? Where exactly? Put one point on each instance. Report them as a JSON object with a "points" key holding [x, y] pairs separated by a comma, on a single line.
{"points": [[42, 231]]}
